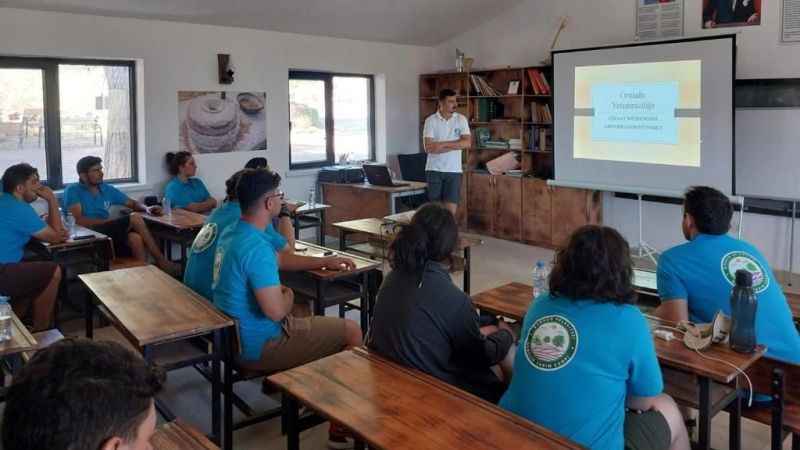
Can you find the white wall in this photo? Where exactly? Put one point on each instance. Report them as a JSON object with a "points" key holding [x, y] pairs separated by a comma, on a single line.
{"points": [[522, 35], [180, 56]]}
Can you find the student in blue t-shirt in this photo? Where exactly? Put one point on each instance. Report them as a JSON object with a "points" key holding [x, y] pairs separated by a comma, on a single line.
{"points": [[32, 286], [247, 287], [89, 202], [200, 264], [184, 190], [695, 279], [283, 223], [586, 365]]}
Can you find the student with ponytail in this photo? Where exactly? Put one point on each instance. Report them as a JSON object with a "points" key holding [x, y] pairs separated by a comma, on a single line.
{"points": [[424, 321], [185, 190]]}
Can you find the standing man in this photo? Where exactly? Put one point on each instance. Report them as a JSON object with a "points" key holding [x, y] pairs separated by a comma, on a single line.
{"points": [[446, 133]]}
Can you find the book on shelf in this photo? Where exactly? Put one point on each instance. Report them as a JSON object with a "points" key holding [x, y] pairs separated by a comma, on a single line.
{"points": [[515, 144], [538, 82], [482, 87], [482, 135], [540, 113]]}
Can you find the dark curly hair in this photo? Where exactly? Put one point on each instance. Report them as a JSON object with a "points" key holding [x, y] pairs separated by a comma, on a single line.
{"points": [[711, 209], [432, 235], [595, 264]]}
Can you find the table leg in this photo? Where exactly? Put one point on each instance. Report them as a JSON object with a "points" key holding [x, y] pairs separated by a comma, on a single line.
{"points": [[228, 386], [291, 419], [319, 301], [89, 315], [321, 228], [161, 408], [296, 225], [735, 424], [183, 257], [366, 312], [704, 420], [342, 240], [467, 268], [216, 356]]}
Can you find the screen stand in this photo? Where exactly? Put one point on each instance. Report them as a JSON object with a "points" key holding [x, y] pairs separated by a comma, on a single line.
{"points": [[644, 248], [791, 244]]}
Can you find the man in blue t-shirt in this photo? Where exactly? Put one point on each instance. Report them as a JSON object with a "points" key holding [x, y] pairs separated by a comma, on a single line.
{"points": [[695, 279], [586, 365], [200, 264], [89, 202], [32, 286], [247, 287]]}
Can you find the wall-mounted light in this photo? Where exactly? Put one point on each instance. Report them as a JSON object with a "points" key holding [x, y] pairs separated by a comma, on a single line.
{"points": [[226, 69]]}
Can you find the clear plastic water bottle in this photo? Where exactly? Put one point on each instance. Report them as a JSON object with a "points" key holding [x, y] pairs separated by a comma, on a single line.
{"points": [[540, 279], [312, 197], [743, 313], [69, 224], [166, 206], [5, 319]]}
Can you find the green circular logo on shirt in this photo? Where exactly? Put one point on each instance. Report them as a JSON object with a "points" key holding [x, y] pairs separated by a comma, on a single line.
{"points": [[734, 261], [204, 239], [551, 343]]}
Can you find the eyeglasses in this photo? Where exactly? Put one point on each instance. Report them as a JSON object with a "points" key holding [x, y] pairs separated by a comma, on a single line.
{"points": [[276, 194]]}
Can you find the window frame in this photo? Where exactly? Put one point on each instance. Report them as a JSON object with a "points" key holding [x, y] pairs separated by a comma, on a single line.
{"points": [[52, 110], [330, 147]]}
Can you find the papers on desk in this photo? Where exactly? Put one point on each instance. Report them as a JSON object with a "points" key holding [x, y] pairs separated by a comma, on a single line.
{"points": [[403, 217], [645, 279]]}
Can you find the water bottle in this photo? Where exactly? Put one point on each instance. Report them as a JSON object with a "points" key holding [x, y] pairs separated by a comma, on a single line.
{"points": [[539, 279], [166, 206], [743, 313], [69, 224], [312, 197], [5, 319]]}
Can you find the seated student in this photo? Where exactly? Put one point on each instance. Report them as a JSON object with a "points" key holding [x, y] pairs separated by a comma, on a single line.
{"points": [[82, 394], [200, 266], [283, 223], [184, 190], [247, 287], [32, 286], [89, 201], [695, 279], [586, 354], [424, 321]]}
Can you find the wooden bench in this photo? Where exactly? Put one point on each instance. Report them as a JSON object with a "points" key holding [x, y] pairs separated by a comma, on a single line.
{"points": [[782, 381], [389, 406], [178, 435]]}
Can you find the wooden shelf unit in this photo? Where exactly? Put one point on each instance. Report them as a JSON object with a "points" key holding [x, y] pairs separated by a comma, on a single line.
{"points": [[521, 208]]}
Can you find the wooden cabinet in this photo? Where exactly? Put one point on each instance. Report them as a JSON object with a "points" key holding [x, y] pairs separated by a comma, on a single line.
{"points": [[508, 211], [480, 203], [537, 223], [572, 209]]}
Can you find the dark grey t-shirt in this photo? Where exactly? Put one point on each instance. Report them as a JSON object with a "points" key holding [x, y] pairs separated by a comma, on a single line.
{"points": [[428, 323]]}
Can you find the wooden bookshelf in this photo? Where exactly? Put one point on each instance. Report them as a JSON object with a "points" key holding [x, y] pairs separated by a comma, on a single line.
{"points": [[517, 207]]}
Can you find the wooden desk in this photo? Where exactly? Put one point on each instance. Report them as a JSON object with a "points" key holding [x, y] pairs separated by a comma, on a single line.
{"points": [[179, 435], [384, 232], [513, 300], [361, 201], [180, 227], [388, 406], [310, 215], [151, 308], [335, 286], [21, 339]]}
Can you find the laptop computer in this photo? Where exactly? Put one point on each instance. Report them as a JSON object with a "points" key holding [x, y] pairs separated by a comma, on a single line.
{"points": [[379, 176]]}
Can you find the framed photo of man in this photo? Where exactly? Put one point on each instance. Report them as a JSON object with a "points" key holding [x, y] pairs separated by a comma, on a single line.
{"points": [[732, 13]]}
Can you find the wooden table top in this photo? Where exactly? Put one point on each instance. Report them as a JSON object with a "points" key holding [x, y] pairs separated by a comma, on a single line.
{"points": [[392, 407], [179, 435], [362, 264], [410, 186], [308, 208], [375, 227], [402, 218], [21, 339], [150, 307], [79, 231], [180, 219], [513, 300]]}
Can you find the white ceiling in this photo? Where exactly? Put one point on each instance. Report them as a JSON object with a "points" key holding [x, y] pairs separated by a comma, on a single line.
{"points": [[415, 22]]}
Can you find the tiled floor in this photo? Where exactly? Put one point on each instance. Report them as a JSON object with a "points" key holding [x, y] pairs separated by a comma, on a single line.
{"points": [[494, 263]]}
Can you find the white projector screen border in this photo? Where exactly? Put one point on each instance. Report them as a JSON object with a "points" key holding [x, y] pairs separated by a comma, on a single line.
{"points": [[654, 177]]}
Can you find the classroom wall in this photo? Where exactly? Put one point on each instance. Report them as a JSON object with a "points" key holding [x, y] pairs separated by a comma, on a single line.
{"points": [[179, 56], [522, 36]]}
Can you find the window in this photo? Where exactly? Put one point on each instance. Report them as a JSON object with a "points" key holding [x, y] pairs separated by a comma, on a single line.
{"points": [[54, 112], [330, 118]]}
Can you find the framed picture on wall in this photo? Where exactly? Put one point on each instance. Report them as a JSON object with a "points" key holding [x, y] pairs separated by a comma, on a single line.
{"points": [[732, 13], [220, 122]]}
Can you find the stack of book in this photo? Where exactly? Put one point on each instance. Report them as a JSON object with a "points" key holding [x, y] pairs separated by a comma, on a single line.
{"points": [[501, 144], [482, 87], [541, 113], [541, 139], [515, 144], [482, 135], [539, 82]]}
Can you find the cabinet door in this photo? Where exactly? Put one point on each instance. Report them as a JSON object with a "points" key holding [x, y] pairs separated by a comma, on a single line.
{"points": [[537, 221], [508, 207], [572, 209], [461, 212], [480, 204]]}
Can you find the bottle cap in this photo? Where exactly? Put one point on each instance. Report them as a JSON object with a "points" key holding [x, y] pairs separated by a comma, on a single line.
{"points": [[744, 278], [540, 263]]}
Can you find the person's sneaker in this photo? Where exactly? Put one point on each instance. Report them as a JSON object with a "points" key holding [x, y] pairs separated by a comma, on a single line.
{"points": [[339, 438]]}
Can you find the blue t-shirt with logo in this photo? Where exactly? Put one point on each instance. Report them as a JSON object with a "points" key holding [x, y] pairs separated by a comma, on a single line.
{"points": [[246, 261], [18, 222], [200, 266], [703, 271], [181, 194], [94, 206], [576, 363]]}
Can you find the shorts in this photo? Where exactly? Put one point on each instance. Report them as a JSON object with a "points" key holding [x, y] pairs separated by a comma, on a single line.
{"points": [[24, 281], [443, 186], [117, 229], [302, 340], [646, 431]]}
